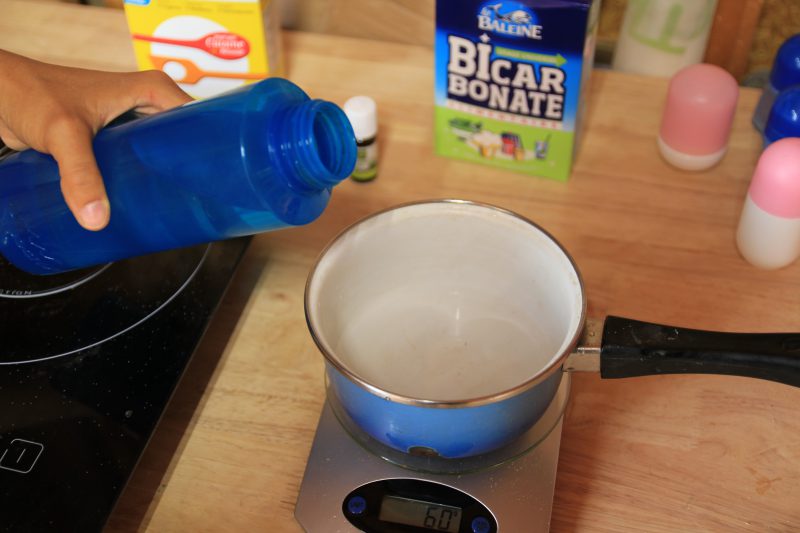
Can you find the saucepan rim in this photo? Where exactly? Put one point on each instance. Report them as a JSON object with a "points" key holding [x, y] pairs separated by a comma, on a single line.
{"points": [[552, 367]]}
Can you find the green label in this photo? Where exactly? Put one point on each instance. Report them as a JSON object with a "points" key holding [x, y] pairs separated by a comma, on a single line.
{"points": [[538, 151], [366, 163], [511, 53]]}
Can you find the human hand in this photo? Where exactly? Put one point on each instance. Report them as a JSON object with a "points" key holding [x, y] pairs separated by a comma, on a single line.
{"points": [[58, 110]]}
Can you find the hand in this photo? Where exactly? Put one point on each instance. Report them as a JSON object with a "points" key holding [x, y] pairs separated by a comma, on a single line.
{"points": [[58, 110]]}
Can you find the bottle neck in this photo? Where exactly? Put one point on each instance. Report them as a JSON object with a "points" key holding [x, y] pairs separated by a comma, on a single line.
{"points": [[316, 144]]}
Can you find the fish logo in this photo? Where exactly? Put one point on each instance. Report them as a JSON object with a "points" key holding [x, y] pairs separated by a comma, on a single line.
{"points": [[517, 16], [509, 18]]}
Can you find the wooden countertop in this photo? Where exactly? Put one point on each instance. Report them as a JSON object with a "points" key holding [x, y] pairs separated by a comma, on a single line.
{"points": [[684, 453]]}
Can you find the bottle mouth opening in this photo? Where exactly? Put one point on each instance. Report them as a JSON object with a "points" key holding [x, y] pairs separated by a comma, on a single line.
{"points": [[327, 154], [328, 122]]}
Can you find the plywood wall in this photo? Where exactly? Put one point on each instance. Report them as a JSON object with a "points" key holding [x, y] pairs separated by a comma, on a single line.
{"points": [[412, 21], [405, 21]]}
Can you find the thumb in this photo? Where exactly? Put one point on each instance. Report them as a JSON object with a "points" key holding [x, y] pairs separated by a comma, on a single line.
{"points": [[81, 183]]}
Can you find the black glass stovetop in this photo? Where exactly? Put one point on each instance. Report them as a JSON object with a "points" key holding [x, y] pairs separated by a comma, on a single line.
{"points": [[88, 362]]}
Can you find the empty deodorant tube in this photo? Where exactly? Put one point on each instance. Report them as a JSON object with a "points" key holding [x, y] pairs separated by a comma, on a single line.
{"points": [[769, 229]]}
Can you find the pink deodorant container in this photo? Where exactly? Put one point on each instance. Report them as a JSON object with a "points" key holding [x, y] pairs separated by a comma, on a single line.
{"points": [[698, 116], [769, 229]]}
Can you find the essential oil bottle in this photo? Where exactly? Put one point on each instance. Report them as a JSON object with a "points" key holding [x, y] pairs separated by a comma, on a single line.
{"points": [[363, 115]]}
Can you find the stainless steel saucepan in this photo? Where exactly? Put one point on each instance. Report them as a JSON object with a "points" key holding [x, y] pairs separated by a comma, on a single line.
{"points": [[447, 325]]}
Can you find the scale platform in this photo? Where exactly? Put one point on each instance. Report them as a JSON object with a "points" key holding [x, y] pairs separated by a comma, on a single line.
{"points": [[353, 483]]}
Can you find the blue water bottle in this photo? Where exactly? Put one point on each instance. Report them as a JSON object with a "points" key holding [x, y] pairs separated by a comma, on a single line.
{"points": [[785, 73], [784, 117], [258, 158]]}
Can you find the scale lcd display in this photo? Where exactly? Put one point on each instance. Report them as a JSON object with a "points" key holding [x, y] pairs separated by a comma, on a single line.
{"points": [[433, 516]]}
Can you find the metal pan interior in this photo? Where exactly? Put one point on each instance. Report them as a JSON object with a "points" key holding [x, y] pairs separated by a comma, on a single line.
{"points": [[445, 302]]}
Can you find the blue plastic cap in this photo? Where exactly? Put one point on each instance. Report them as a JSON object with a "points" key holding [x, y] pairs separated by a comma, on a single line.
{"points": [[786, 68], [481, 525], [357, 505], [784, 118]]}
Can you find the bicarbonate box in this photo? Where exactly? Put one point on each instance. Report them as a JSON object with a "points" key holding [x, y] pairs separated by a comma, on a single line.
{"points": [[511, 79], [207, 46]]}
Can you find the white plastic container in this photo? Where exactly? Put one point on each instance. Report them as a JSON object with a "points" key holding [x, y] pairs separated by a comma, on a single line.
{"points": [[769, 229], [697, 118], [660, 37]]}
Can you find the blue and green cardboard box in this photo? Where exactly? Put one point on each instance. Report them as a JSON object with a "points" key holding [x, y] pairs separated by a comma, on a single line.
{"points": [[511, 79]]}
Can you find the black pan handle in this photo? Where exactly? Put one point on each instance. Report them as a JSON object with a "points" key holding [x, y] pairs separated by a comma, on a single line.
{"points": [[632, 348]]}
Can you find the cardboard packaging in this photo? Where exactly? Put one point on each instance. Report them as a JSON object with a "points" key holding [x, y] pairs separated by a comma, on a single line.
{"points": [[511, 79], [207, 46]]}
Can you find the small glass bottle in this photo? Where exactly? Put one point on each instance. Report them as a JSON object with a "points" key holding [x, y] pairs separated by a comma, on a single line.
{"points": [[259, 158], [362, 112]]}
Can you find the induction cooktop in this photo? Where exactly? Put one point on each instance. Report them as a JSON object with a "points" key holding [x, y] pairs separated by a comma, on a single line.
{"points": [[88, 362]]}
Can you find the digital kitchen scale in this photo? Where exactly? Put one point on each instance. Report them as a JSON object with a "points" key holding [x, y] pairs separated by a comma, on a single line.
{"points": [[354, 483]]}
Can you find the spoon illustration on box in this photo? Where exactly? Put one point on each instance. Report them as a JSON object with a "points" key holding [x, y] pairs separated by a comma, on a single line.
{"points": [[219, 44], [185, 71]]}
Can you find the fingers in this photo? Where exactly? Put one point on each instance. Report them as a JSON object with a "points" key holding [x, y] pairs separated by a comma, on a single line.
{"points": [[10, 139], [70, 143], [60, 113], [155, 91], [81, 182]]}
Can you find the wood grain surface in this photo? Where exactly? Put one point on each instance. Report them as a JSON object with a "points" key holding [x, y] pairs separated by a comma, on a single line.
{"points": [[661, 454]]}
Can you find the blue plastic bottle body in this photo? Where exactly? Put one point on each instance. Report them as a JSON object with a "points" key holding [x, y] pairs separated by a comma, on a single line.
{"points": [[785, 72], [784, 117], [256, 159]]}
